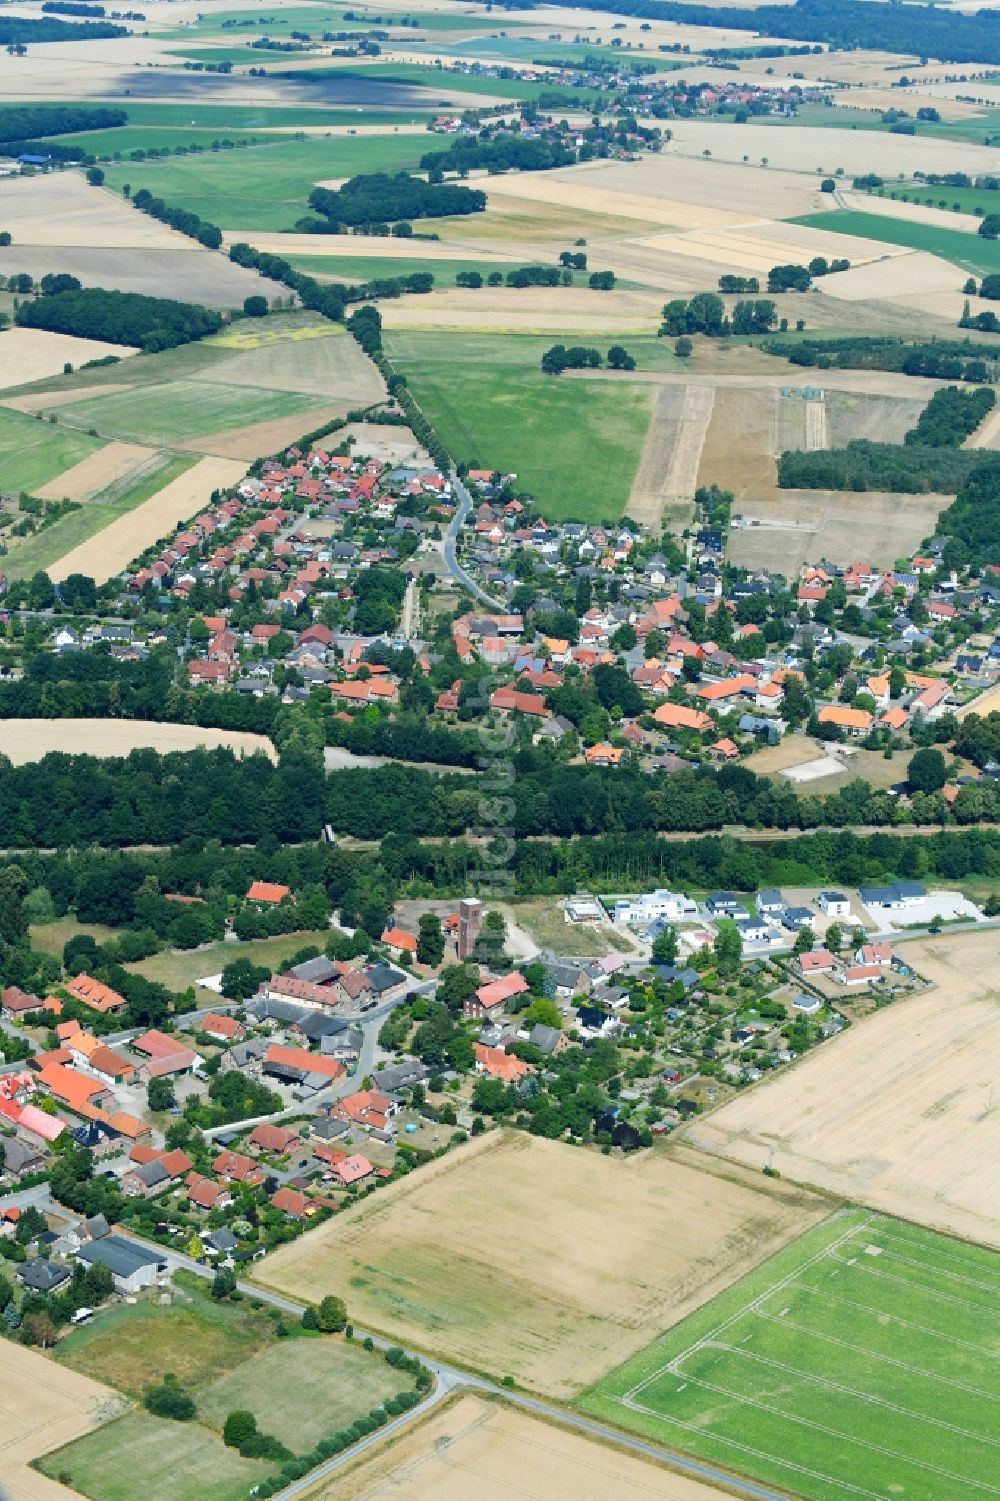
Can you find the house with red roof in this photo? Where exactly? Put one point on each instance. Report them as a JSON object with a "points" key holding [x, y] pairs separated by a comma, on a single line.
{"points": [[490, 999]]}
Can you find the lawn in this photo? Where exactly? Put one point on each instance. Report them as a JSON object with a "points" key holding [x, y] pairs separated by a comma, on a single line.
{"points": [[971, 252], [265, 186], [52, 937], [178, 970], [574, 445], [123, 495], [33, 452], [303, 1390], [859, 1360], [181, 410], [129, 1346], [157, 1459]]}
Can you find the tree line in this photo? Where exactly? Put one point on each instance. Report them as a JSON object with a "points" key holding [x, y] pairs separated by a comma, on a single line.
{"points": [[181, 219], [863, 465], [28, 122], [924, 30], [22, 31], [705, 313], [950, 417], [974, 515], [939, 359], [149, 323]]}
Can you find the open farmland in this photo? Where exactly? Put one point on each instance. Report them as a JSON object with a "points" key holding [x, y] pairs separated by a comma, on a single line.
{"points": [[25, 740], [491, 404], [29, 354], [32, 453], [264, 187], [971, 253], [858, 1361], [303, 1389], [177, 1462], [474, 1447], [799, 525], [896, 1112], [43, 1406], [409, 1265], [101, 556], [182, 410], [183, 271]]}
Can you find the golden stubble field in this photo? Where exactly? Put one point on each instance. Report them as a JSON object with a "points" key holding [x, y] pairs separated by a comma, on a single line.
{"points": [[26, 740], [898, 1112], [472, 1447], [107, 553], [29, 354], [524, 1257], [43, 1406]]}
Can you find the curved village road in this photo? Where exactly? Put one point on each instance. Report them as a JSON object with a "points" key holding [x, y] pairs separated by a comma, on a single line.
{"points": [[452, 564]]}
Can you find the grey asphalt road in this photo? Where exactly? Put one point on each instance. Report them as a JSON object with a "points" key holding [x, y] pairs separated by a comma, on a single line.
{"points": [[450, 540]]}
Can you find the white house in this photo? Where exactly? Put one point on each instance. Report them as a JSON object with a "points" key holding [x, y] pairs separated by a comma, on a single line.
{"points": [[834, 904], [894, 896], [770, 903], [652, 906]]}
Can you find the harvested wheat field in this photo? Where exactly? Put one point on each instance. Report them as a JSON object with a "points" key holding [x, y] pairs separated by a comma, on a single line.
{"points": [[62, 210], [801, 148], [673, 190], [668, 467], [106, 554], [499, 1257], [28, 354], [182, 270], [331, 365], [260, 439], [528, 309], [96, 472], [896, 1113], [43, 1406], [472, 1447], [25, 740], [801, 525], [370, 246], [741, 445]]}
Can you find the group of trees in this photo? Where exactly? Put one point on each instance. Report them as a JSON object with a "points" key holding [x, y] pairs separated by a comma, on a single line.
{"points": [[181, 219], [22, 31], [974, 516], [507, 153], [863, 465], [24, 127], [950, 417], [377, 197], [705, 313], [150, 323], [582, 357]]}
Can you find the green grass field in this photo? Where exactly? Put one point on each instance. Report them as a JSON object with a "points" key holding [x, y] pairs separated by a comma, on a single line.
{"points": [[123, 495], [267, 186], [444, 83], [303, 1390], [33, 452], [573, 444], [223, 118], [367, 267], [181, 409], [859, 1361], [157, 1459], [179, 970], [108, 143], [129, 1346], [961, 200], [970, 252]]}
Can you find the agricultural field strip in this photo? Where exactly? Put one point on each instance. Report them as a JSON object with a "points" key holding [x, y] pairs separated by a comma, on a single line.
{"points": [[755, 1307]]}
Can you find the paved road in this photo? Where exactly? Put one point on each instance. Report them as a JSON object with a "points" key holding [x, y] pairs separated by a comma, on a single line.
{"points": [[452, 564]]}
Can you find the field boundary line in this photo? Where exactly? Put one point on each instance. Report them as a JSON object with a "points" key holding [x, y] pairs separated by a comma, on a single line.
{"points": [[811, 1423], [953, 1339], [931, 1292], [915, 1370], [853, 1392], [753, 1304]]}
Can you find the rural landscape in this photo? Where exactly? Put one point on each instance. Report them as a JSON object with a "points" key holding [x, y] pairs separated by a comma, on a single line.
{"points": [[500, 750]]}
